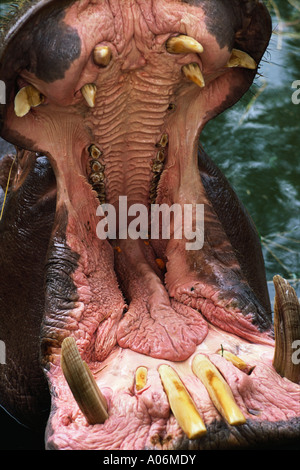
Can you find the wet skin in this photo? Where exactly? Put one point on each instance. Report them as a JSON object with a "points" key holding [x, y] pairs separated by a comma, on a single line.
{"points": [[131, 303]]}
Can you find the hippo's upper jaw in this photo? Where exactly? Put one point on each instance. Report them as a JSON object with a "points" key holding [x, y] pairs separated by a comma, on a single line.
{"points": [[115, 95]]}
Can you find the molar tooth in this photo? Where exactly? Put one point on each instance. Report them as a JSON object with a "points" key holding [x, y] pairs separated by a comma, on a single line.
{"points": [[218, 390], [241, 59], [102, 55], [27, 98], [286, 328], [97, 177], [193, 72], [96, 166], [161, 156], [82, 383], [141, 378], [183, 45], [181, 403], [89, 93], [157, 167], [94, 152], [164, 140]]}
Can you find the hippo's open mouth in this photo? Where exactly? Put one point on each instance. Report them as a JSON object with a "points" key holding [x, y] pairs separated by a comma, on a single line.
{"points": [[111, 98]]}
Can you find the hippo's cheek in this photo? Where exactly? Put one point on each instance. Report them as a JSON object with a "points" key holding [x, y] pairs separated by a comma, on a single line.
{"points": [[161, 296]]}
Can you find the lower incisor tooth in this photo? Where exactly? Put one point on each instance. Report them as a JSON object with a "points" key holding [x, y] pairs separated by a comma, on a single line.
{"points": [[181, 403], [236, 361], [82, 383], [141, 378], [218, 390]]}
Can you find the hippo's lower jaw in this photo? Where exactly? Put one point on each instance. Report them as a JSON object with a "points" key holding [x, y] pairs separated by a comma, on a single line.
{"points": [[148, 403], [116, 95]]}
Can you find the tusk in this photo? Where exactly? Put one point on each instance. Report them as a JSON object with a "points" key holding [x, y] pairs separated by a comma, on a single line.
{"points": [[141, 378], [181, 403], [102, 55], [89, 93], [82, 383], [287, 329], [183, 45], [27, 98], [241, 59], [218, 390], [236, 361], [193, 72]]}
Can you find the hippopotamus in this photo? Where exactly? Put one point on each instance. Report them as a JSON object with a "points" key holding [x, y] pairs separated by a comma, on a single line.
{"points": [[117, 336]]}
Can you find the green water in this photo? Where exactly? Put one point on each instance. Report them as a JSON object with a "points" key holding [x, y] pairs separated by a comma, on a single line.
{"points": [[256, 144]]}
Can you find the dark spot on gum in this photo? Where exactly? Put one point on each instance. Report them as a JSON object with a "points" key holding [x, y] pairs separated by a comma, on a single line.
{"points": [[46, 46]]}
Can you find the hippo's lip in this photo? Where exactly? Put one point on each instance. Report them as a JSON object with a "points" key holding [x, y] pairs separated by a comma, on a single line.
{"points": [[102, 106]]}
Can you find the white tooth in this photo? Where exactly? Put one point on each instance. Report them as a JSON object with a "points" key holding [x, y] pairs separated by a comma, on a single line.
{"points": [[183, 45], [27, 98], [193, 72], [241, 59], [89, 93]]}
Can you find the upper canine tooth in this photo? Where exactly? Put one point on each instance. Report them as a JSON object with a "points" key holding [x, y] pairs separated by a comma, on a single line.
{"points": [[27, 98], [89, 93], [241, 59], [193, 72], [218, 390], [82, 383], [102, 55], [181, 403], [183, 45]]}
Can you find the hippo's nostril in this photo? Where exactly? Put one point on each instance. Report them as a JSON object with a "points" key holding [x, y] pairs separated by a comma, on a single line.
{"points": [[183, 45], [89, 92], [193, 72], [28, 97]]}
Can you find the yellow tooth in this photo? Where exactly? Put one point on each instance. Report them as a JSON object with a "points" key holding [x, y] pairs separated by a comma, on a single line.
{"points": [[286, 329], [193, 72], [102, 55], [141, 378], [82, 383], [236, 361], [241, 59], [27, 98], [183, 45], [164, 140], [218, 390], [89, 93], [181, 403]]}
